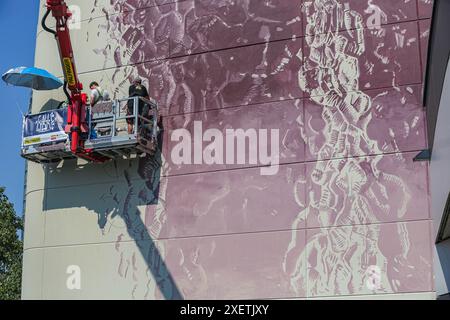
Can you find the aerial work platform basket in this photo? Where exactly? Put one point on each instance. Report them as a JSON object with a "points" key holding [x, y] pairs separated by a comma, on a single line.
{"points": [[44, 139]]}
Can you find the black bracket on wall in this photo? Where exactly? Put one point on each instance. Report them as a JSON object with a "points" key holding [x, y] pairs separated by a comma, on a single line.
{"points": [[444, 231], [424, 155]]}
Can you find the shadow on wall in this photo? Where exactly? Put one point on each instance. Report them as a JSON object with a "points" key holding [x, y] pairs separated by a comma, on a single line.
{"points": [[141, 188], [51, 104]]}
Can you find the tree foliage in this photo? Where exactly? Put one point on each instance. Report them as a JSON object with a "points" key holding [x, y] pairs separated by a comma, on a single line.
{"points": [[10, 250]]}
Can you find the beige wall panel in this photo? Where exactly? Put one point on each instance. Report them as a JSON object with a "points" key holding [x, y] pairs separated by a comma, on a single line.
{"points": [[88, 9], [201, 268], [32, 274], [115, 81], [35, 176], [102, 277], [79, 173], [75, 172], [85, 42], [100, 213], [34, 236], [47, 100], [92, 42]]}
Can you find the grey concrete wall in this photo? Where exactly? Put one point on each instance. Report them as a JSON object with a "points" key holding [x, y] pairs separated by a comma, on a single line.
{"points": [[440, 187]]}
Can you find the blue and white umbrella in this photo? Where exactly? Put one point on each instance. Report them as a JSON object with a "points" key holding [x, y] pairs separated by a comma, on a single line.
{"points": [[34, 78]]}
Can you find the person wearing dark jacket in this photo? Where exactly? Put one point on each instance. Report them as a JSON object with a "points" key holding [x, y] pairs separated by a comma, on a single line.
{"points": [[136, 90]]}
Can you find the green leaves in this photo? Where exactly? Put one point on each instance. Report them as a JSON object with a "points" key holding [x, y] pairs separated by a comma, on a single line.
{"points": [[10, 250]]}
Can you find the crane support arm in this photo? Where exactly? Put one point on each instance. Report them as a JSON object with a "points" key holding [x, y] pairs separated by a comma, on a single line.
{"points": [[77, 126]]}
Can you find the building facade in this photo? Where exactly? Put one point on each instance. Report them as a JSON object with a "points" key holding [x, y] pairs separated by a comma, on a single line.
{"points": [[332, 87]]}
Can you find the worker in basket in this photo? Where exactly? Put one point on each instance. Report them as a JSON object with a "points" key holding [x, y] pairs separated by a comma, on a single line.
{"points": [[97, 95], [136, 90]]}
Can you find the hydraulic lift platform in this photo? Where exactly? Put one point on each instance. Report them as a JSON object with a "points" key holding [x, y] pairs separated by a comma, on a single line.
{"points": [[44, 138], [95, 133]]}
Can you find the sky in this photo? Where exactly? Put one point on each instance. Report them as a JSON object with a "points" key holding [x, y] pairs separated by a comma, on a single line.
{"points": [[18, 24]]}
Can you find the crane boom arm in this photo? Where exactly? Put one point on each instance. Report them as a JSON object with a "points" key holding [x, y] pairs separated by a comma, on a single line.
{"points": [[77, 127]]}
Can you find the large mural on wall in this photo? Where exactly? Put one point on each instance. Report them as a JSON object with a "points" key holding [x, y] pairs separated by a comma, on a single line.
{"points": [[346, 214], [349, 191]]}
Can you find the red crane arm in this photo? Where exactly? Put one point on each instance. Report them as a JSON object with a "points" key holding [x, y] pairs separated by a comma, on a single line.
{"points": [[77, 127], [61, 13]]}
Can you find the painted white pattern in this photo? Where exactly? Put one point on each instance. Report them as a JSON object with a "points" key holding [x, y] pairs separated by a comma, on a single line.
{"points": [[336, 260]]}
